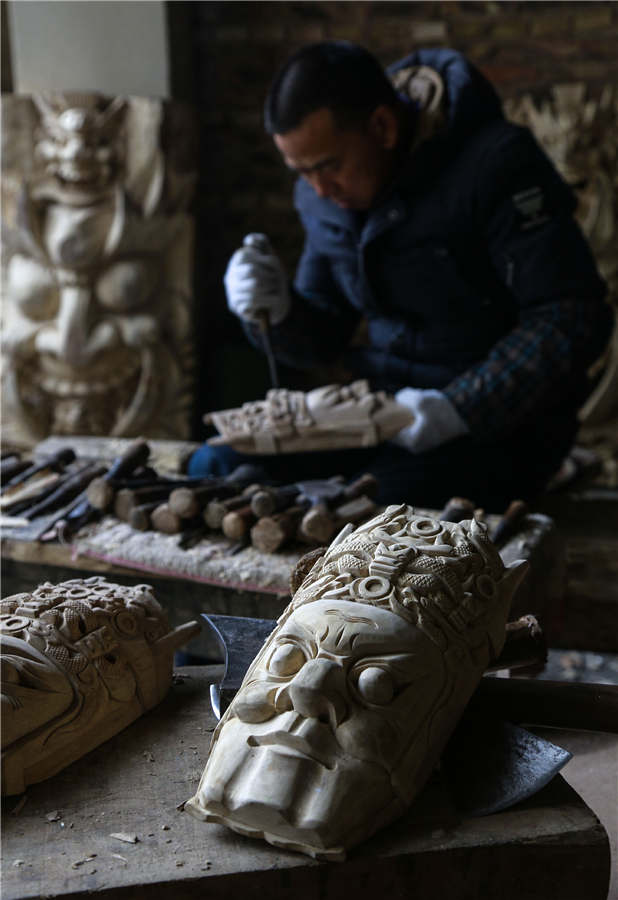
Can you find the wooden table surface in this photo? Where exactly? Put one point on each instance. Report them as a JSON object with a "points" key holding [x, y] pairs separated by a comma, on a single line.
{"points": [[549, 846]]}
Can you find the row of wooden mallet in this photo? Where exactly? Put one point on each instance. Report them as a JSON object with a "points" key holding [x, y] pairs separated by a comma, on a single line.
{"points": [[241, 507]]}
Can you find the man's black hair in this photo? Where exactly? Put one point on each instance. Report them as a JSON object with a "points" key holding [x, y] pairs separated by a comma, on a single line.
{"points": [[338, 75]]}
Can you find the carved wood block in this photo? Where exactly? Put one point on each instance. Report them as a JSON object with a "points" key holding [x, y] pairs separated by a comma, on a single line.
{"points": [[326, 418], [345, 711], [96, 269], [81, 660]]}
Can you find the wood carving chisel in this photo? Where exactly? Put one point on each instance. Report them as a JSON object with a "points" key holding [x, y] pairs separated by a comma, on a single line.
{"points": [[262, 244]]}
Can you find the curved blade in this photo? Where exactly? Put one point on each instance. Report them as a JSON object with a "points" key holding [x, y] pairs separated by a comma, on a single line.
{"points": [[491, 765], [240, 640]]}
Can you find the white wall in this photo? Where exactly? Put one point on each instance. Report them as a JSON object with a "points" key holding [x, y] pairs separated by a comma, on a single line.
{"points": [[111, 46]]}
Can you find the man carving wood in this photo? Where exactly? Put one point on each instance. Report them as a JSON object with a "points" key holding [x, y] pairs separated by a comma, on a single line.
{"points": [[448, 231]]}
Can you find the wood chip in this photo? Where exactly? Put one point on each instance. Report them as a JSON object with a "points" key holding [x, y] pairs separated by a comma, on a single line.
{"points": [[18, 862], [148, 756], [123, 836], [118, 856], [80, 862], [54, 816], [165, 828]]}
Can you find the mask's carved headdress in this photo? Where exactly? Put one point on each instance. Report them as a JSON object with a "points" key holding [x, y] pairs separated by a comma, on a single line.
{"points": [[445, 578]]}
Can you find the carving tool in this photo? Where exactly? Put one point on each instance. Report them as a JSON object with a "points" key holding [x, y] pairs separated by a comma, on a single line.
{"points": [[166, 521], [127, 499], [11, 466], [54, 463], [27, 491], [457, 509], [510, 522], [271, 532], [262, 316], [352, 503], [70, 488], [237, 523], [216, 509], [139, 517], [101, 491], [270, 500]]}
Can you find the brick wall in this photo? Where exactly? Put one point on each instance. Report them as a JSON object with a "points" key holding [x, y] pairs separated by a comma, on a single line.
{"points": [[520, 46]]}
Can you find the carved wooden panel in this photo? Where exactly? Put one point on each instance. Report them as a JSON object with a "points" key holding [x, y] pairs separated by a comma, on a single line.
{"points": [[97, 266]]}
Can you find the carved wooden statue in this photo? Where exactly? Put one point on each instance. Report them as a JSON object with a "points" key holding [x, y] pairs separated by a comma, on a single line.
{"points": [[326, 418], [81, 660], [580, 134], [96, 331], [345, 711]]}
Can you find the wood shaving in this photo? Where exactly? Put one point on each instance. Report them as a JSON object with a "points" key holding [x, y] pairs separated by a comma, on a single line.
{"points": [[80, 862], [118, 856], [123, 836]]}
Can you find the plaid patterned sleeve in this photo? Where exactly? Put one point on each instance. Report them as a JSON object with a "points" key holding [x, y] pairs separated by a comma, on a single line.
{"points": [[525, 211], [552, 345]]}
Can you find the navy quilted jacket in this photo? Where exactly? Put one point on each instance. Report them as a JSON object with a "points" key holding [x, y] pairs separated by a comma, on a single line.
{"points": [[470, 272]]}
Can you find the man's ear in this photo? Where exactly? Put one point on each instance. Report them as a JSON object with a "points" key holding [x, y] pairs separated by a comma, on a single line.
{"points": [[384, 126]]}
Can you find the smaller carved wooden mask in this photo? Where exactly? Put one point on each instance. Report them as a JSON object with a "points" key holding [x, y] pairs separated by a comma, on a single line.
{"points": [[80, 661], [344, 712]]}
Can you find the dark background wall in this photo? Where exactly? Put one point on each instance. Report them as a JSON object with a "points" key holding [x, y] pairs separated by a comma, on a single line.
{"points": [[224, 55]]}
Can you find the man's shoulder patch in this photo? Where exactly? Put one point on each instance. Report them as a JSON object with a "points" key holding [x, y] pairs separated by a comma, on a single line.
{"points": [[531, 207]]}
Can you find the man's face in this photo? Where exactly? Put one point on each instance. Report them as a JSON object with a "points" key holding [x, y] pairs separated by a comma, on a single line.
{"points": [[345, 165]]}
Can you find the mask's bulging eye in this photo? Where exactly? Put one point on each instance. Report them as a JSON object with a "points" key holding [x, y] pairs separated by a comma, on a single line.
{"points": [[375, 685], [287, 660]]}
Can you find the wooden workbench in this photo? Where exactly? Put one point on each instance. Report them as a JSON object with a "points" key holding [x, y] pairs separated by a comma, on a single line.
{"points": [[550, 846]]}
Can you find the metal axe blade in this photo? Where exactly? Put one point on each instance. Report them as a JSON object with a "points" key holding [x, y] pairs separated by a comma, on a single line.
{"points": [[491, 765], [240, 640]]}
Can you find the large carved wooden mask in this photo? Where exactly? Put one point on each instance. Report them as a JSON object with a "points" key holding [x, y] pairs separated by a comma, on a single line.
{"points": [[344, 712]]}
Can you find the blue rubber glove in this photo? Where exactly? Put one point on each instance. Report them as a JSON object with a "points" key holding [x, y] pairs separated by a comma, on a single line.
{"points": [[436, 420]]}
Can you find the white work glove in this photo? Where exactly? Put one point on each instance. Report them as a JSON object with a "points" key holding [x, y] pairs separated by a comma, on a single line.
{"points": [[436, 420], [256, 281]]}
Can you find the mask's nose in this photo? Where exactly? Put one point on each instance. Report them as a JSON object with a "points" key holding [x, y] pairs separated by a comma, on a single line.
{"points": [[316, 692]]}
